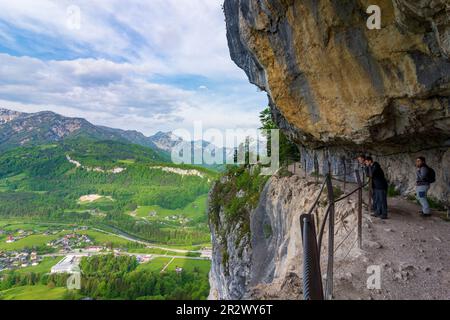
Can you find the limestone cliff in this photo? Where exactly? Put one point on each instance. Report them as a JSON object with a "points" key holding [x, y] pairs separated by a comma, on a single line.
{"points": [[336, 89], [263, 260], [333, 83]]}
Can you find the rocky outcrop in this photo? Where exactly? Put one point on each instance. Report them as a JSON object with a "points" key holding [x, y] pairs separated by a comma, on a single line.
{"points": [[266, 262], [336, 82], [333, 83], [398, 167], [8, 115], [336, 88]]}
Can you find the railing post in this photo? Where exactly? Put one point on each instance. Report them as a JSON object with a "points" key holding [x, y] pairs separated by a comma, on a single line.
{"points": [[312, 276], [360, 207], [448, 210], [330, 170], [306, 169], [364, 175], [345, 175], [330, 266]]}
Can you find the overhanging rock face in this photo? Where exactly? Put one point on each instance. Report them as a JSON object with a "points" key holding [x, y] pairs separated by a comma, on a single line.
{"points": [[335, 84], [332, 81], [335, 88]]}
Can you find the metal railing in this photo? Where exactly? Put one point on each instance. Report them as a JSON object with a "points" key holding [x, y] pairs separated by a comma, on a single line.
{"points": [[312, 286], [312, 244]]}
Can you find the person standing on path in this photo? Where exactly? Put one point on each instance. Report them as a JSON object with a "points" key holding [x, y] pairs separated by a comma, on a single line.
{"points": [[362, 167], [380, 187], [364, 172], [424, 180]]}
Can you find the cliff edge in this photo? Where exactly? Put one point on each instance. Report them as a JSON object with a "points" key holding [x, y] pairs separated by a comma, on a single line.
{"points": [[336, 85]]}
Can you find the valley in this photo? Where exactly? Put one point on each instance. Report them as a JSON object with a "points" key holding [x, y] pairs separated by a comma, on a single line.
{"points": [[85, 196]]}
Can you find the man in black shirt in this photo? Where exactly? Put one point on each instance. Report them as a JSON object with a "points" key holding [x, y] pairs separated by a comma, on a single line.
{"points": [[380, 187]]}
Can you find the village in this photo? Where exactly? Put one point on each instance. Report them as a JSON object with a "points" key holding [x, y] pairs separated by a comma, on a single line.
{"points": [[67, 248], [18, 259], [31, 255]]}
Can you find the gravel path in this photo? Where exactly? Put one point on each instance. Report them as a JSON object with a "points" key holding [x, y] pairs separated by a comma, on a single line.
{"points": [[412, 252]]}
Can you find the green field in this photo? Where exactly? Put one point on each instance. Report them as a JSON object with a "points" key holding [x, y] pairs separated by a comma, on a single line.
{"points": [[189, 248], [15, 224], [39, 183], [38, 292], [101, 238], [40, 240], [44, 267], [24, 226], [193, 210], [155, 265], [33, 241], [163, 252], [203, 266]]}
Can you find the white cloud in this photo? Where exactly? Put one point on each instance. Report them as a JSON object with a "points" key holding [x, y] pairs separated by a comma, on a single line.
{"points": [[129, 44]]}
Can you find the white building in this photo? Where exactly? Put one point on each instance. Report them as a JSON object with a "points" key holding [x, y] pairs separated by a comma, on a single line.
{"points": [[68, 265]]}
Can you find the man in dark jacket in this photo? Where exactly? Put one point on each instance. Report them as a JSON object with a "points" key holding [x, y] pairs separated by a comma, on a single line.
{"points": [[380, 187], [423, 185]]}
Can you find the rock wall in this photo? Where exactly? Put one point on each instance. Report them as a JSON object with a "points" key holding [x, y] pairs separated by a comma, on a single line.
{"points": [[267, 262], [333, 83], [336, 89], [399, 168]]}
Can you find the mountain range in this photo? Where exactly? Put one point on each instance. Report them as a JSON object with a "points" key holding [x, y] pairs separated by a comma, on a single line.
{"points": [[20, 129], [29, 129]]}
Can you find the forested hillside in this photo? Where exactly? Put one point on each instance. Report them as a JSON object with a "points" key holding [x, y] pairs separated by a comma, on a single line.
{"points": [[105, 183]]}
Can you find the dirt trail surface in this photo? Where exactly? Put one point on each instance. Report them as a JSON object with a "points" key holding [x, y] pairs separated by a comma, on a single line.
{"points": [[413, 254]]}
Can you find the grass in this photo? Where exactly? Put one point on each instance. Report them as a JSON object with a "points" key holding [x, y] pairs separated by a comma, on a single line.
{"points": [[38, 292], [127, 161], [392, 191], [101, 238], [155, 265], [10, 183], [337, 192], [188, 247], [445, 217], [98, 236], [203, 266], [434, 203], [24, 226], [193, 210], [163, 252], [40, 240], [33, 241], [267, 230], [284, 172], [43, 267]]}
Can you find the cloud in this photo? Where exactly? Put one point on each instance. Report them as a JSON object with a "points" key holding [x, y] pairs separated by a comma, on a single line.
{"points": [[145, 65]]}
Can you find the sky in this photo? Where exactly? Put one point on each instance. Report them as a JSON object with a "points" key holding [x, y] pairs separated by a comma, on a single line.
{"points": [[154, 65]]}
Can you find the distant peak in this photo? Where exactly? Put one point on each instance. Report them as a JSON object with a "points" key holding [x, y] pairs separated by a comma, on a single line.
{"points": [[7, 115], [9, 111]]}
